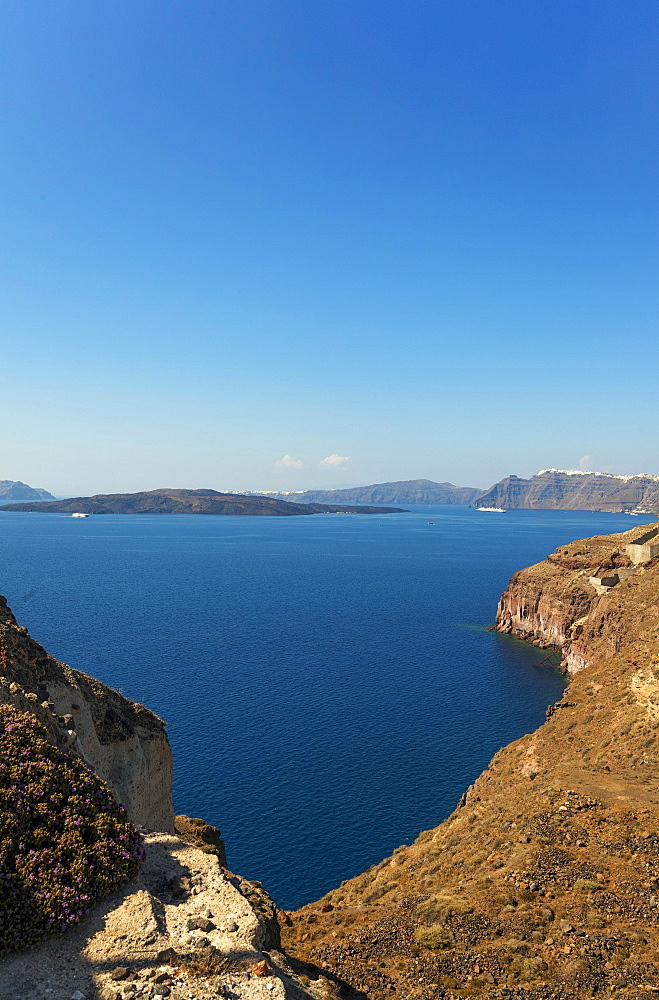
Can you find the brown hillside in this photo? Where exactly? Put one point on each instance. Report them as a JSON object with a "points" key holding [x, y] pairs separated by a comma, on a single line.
{"points": [[544, 883]]}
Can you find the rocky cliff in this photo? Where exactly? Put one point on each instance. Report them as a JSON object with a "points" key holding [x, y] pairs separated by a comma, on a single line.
{"points": [[556, 489], [124, 742], [554, 603], [544, 883]]}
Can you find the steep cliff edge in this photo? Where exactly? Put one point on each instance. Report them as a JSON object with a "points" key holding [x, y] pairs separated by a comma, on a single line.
{"points": [[554, 603], [124, 742], [561, 489], [544, 883]]}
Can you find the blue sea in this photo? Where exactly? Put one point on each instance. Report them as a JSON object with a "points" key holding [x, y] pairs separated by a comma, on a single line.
{"points": [[330, 683]]}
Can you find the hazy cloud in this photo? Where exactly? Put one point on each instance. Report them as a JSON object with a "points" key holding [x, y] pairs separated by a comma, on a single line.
{"points": [[335, 461], [288, 462], [585, 463]]}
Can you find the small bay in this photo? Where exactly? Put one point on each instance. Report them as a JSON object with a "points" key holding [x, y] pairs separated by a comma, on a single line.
{"points": [[330, 683]]}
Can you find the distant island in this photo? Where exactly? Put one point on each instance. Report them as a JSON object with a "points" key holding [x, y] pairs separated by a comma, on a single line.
{"points": [[569, 489], [405, 491], [550, 489], [17, 492], [166, 501]]}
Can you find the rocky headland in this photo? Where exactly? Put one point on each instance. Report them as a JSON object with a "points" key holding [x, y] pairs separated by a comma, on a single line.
{"points": [[168, 501], [560, 489]]}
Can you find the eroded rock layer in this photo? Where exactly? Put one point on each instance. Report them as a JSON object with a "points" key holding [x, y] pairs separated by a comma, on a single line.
{"points": [[124, 742], [555, 602]]}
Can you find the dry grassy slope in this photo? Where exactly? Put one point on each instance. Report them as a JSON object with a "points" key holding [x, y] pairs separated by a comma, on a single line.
{"points": [[546, 882]]}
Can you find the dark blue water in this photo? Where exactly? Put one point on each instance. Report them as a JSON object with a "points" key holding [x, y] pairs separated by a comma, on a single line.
{"points": [[329, 681]]}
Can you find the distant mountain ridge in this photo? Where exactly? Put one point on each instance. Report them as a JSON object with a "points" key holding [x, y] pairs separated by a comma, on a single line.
{"points": [[17, 492], [571, 489], [166, 501], [405, 491]]}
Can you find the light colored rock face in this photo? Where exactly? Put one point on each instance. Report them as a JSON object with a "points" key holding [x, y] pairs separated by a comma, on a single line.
{"points": [[124, 743], [144, 939], [574, 661]]}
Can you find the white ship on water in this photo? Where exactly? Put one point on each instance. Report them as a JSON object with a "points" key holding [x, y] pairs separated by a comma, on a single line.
{"points": [[496, 510], [79, 515]]}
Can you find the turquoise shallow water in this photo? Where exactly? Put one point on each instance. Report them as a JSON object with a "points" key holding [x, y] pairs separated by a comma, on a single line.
{"points": [[329, 681]]}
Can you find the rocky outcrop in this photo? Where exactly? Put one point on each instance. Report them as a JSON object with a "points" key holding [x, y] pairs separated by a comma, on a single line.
{"points": [[556, 602], [185, 928], [557, 489], [122, 741], [542, 609], [198, 833]]}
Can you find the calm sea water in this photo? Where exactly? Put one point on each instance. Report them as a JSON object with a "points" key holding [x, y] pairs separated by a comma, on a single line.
{"points": [[329, 681]]}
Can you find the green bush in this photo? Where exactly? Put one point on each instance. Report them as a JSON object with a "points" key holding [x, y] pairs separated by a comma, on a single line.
{"points": [[64, 841]]}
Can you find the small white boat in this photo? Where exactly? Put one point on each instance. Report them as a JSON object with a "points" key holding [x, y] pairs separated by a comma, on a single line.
{"points": [[496, 510], [79, 515]]}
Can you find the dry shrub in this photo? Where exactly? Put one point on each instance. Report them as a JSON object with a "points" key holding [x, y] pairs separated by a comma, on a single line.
{"points": [[517, 947], [377, 892], [437, 908], [587, 885], [528, 969], [434, 936]]}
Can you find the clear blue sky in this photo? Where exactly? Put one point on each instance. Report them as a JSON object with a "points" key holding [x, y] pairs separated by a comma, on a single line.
{"points": [[419, 235]]}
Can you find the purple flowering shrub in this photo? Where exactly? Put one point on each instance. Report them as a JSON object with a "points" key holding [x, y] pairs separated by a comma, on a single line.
{"points": [[64, 841]]}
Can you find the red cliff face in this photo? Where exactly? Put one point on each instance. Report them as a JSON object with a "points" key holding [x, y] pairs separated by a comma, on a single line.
{"points": [[541, 609], [554, 604]]}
